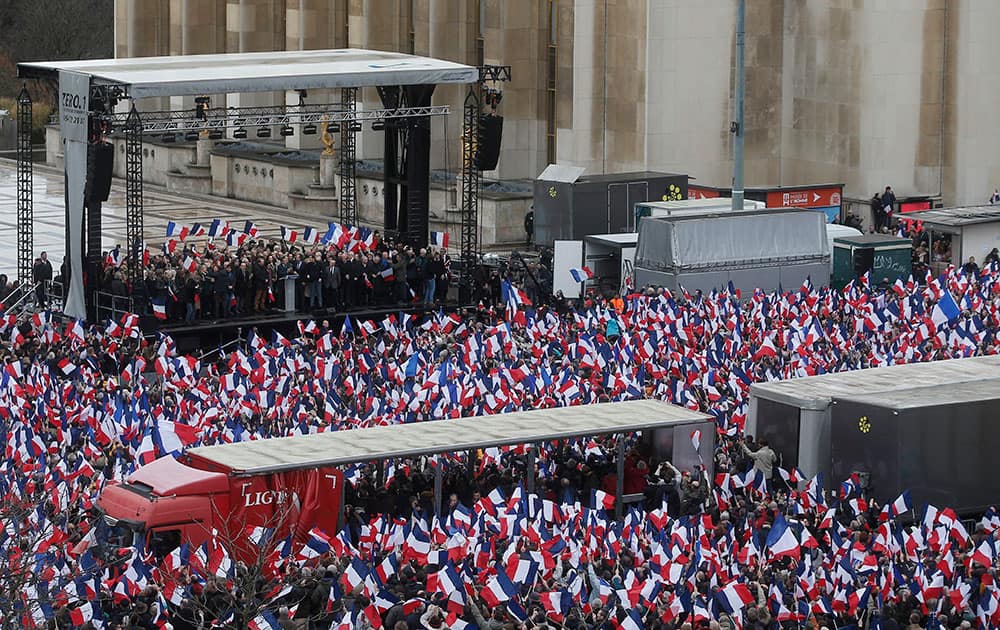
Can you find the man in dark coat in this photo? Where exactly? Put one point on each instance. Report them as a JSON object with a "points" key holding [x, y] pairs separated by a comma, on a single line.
{"points": [[42, 275]]}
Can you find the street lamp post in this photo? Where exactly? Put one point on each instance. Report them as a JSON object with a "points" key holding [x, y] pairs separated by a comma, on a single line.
{"points": [[737, 126]]}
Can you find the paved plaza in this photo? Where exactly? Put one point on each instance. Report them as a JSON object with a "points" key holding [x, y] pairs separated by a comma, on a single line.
{"points": [[159, 207]]}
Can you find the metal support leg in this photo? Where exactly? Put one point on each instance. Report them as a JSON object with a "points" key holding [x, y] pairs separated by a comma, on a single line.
{"points": [[620, 482], [348, 174], [530, 472], [25, 199], [133, 198], [471, 181], [438, 484], [341, 514]]}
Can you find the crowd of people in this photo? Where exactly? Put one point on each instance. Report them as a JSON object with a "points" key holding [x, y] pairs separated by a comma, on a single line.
{"points": [[194, 277], [756, 546]]}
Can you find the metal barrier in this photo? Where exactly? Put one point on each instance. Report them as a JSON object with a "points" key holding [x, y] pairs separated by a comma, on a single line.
{"points": [[221, 348], [55, 295], [638, 497], [20, 304], [111, 306]]}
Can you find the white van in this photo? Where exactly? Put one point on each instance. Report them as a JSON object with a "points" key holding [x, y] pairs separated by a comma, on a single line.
{"points": [[835, 230]]}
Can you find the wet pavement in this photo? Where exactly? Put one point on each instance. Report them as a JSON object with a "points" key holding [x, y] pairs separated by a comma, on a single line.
{"points": [[159, 208]]}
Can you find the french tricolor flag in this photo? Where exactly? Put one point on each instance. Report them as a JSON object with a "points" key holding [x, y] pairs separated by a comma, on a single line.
{"points": [[439, 239], [781, 540], [388, 568], [81, 614], [146, 452], [264, 621], [289, 235], [355, 574], [498, 590], [581, 274], [384, 600], [902, 504], [945, 311], [602, 500], [316, 545], [217, 228], [793, 476], [522, 571], [985, 553], [734, 597], [310, 235], [557, 604], [632, 621], [696, 439], [159, 308]]}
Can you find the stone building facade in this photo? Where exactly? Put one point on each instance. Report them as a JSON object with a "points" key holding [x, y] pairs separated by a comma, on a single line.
{"points": [[865, 92]]}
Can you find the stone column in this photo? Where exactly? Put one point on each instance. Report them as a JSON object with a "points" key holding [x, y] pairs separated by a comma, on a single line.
{"points": [[327, 170], [255, 26], [203, 150]]}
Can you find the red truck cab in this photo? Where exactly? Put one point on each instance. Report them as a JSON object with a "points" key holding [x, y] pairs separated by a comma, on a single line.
{"points": [[170, 502]]}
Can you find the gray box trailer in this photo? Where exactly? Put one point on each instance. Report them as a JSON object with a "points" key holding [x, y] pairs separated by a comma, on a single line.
{"points": [[569, 206], [767, 248], [794, 415], [939, 442]]}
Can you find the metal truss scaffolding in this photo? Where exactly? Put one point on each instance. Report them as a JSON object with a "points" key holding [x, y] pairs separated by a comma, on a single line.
{"points": [[348, 164], [471, 181], [472, 176], [133, 194], [182, 121], [25, 201]]}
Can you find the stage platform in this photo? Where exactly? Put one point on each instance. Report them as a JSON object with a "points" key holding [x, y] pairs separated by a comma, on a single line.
{"points": [[207, 335]]}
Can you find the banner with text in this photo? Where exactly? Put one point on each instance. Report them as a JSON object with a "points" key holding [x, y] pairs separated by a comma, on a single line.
{"points": [[74, 93]]}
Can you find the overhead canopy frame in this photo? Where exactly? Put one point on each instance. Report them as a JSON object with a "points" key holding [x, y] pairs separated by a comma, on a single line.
{"points": [[186, 75], [445, 436]]}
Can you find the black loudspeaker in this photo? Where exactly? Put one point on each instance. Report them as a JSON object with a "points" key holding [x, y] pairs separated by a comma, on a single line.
{"points": [[490, 132], [100, 166]]}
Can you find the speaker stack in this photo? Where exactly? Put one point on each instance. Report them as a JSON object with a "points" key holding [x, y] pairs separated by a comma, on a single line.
{"points": [[490, 133]]}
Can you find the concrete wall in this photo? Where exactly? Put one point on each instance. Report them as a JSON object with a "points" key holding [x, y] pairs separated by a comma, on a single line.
{"points": [[972, 116], [259, 181], [689, 86], [863, 95], [867, 92]]}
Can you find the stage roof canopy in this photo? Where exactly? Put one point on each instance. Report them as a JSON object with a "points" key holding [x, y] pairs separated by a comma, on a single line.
{"points": [[258, 72]]}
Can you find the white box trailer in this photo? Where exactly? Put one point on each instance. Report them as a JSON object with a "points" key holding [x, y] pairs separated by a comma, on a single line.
{"points": [[794, 415], [835, 231], [611, 258], [767, 249], [687, 207]]}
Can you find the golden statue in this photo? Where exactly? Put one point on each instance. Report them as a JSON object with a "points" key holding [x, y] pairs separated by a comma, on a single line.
{"points": [[327, 138]]}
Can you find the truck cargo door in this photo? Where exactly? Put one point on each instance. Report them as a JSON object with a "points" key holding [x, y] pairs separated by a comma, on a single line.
{"points": [[779, 425], [628, 270], [566, 255], [617, 203], [637, 193]]}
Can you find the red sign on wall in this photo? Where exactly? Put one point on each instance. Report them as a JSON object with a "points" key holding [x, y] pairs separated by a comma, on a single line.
{"points": [[913, 206], [804, 198], [697, 192]]}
